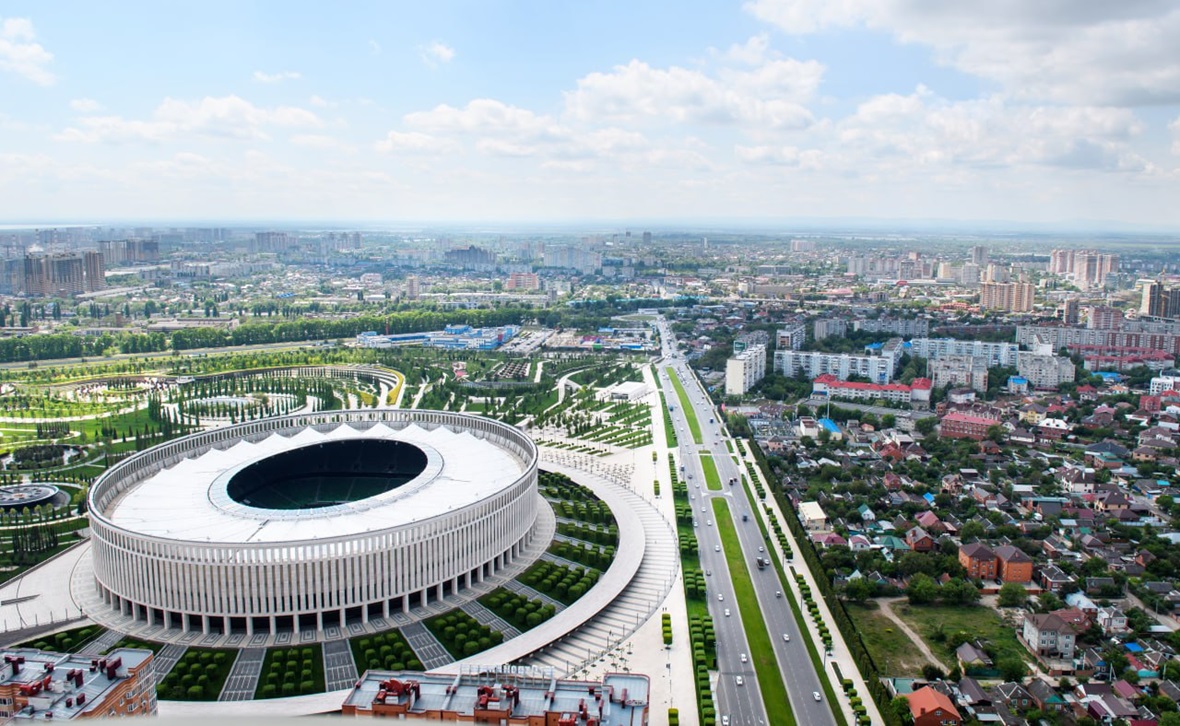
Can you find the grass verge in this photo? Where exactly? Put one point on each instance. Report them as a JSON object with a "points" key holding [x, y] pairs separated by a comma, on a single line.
{"points": [[766, 666], [712, 478], [694, 426]]}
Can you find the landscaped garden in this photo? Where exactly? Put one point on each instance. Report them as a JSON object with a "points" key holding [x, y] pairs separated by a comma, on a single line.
{"points": [[294, 671], [514, 608], [388, 650], [461, 634], [198, 676], [560, 582]]}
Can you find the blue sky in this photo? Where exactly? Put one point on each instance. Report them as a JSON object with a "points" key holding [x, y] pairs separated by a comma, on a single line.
{"points": [[1055, 111]]}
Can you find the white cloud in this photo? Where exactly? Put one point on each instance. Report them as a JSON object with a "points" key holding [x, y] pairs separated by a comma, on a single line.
{"points": [[483, 115], [771, 95], [225, 117], [321, 141], [1073, 52], [753, 52], [414, 142], [320, 102], [85, 105], [435, 53], [263, 77], [374, 47], [20, 53]]}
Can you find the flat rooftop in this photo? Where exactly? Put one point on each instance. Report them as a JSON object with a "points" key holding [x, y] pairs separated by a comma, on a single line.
{"points": [[39, 665], [622, 697]]}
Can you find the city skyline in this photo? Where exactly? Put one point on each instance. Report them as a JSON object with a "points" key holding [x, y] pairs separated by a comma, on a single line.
{"points": [[773, 110]]}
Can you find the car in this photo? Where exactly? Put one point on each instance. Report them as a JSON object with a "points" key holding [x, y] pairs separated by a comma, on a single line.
{"points": [[694, 523], [704, 509], [727, 612], [720, 596], [725, 720], [708, 573], [786, 637], [716, 548], [709, 522], [815, 695], [740, 682], [778, 593], [761, 550], [744, 658]]}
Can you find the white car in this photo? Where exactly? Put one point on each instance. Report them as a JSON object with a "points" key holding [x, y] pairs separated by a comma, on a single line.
{"points": [[720, 596], [727, 612], [740, 682], [709, 522], [716, 548], [815, 695], [744, 659], [786, 637]]}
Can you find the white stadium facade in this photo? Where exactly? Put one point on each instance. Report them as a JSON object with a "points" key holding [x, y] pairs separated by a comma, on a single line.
{"points": [[308, 521]]}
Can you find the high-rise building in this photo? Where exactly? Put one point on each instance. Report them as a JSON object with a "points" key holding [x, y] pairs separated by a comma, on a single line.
{"points": [[744, 370], [412, 289], [523, 281], [1104, 318], [95, 271], [1070, 311], [1014, 297], [791, 337], [830, 328], [977, 255], [1154, 301]]}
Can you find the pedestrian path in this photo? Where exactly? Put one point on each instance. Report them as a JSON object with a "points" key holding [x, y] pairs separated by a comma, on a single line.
{"points": [[522, 589], [486, 617], [633, 606], [339, 667], [243, 675], [427, 647], [102, 643], [167, 659]]}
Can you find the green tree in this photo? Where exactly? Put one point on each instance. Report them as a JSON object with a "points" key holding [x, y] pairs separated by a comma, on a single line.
{"points": [[858, 590], [960, 592], [922, 590], [1011, 668], [925, 426], [1013, 594]]}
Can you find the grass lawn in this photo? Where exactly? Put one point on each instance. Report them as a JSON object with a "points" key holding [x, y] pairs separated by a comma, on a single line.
{"points": [[890, 648], [712, 478], [694, 426], [198, 676], [388, 650], [291, 671], [934, 622], [774, 691]]}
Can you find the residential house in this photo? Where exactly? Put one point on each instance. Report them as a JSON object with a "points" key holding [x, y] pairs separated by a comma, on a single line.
{"points": [[1014, 695], [1046, 696], [919, 540], [1014, 565], [1082, 602], [979, 560], [1112, 620], [930, 707], [1055, 580], [1048, 636], [972, 657]]}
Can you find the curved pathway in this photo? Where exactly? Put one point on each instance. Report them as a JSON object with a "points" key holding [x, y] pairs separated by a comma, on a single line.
{"points": [[886, 604]]}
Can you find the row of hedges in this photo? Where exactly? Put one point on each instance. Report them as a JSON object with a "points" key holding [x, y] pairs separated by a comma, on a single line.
{"points": [[562, 583], [291, 672], [858, 707], [388, 650], [584, 554], [594, 534], [67, 641], [463, 635], [517, 609], [701, 635], [198, 676]]}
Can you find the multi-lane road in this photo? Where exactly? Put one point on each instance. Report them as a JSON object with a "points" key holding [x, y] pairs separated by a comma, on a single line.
{"points": [[741, 703]]}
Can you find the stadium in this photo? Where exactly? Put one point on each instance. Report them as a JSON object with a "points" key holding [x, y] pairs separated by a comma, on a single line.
{"points": [[309, 521]]}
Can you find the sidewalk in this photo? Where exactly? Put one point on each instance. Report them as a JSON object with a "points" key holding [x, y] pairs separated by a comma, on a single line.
{"points": [[840, 652]]}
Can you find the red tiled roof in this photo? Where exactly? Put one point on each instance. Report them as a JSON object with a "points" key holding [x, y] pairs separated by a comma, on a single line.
{"points": [[928, 700]]}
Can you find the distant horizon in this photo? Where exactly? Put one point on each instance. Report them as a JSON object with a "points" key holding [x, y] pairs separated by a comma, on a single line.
{"points": [[929, 226]]}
